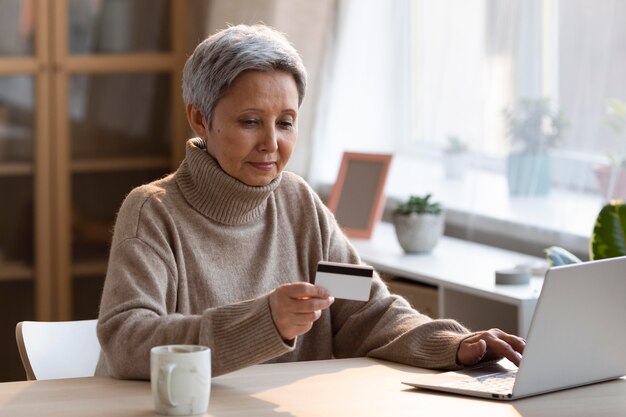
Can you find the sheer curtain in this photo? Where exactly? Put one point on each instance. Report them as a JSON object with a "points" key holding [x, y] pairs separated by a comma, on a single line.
{"points": [[406, 77], [365, 100], [307, 24]]}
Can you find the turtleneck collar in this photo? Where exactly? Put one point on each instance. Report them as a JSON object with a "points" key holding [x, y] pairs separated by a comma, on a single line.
{"points": [[214, 193]]}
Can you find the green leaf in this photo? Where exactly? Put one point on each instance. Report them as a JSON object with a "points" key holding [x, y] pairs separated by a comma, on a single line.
{"points": [[420, 205], [557, 256], [608, 239]]}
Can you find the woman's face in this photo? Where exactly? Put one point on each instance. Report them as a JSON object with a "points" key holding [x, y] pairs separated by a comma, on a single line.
{"points": [[254, 128]]}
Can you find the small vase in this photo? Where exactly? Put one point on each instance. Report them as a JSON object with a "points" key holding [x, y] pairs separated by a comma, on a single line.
{"points": [[418, 232], [528, 174], [612, 181], [455, 165]]}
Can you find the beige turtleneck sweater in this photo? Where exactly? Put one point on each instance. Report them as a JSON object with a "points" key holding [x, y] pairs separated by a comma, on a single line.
{"points": [[195, 255]]}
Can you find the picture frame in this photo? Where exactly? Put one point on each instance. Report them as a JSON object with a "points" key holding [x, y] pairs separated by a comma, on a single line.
{"points": [[357, 198]]}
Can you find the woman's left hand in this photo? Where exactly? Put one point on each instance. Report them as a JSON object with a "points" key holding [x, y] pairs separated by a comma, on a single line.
{"points": [[489, 345]]}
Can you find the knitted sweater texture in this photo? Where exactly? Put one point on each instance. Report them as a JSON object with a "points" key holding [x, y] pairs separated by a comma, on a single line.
{"points": [[195, 255]]}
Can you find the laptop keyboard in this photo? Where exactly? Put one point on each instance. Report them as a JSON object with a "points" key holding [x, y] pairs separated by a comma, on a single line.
{"points": [[496, 383]]}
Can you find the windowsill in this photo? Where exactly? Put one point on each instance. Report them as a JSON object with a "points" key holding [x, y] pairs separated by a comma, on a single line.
{"points": [[480, 202]]}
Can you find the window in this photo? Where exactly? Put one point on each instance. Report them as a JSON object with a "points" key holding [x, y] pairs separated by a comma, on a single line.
{"points": [[473, 60], [464, 64]]}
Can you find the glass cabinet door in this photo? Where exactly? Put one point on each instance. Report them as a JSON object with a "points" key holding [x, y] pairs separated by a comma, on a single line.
{"points": [[120, 74], [90, 108], [17, 276], [17, 123], [120, 134], [17, 178], [118, 26], [17, 28]]}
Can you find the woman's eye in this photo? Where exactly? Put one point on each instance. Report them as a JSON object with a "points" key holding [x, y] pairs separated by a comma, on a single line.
{"points": [[249, 122], [285, 124]]}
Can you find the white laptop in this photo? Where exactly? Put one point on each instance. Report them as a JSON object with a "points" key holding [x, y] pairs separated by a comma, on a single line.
{"points": [[577, 337]]}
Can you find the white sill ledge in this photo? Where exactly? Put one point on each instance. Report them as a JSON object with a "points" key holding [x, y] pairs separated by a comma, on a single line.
{"points": [[480, 201]]}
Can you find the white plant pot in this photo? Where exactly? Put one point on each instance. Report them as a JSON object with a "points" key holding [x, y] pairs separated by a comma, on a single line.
{"points": [[418, 232], [455, 165]]}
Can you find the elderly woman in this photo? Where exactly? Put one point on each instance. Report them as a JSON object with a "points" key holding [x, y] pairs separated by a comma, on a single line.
{"points": [[222, 252]]}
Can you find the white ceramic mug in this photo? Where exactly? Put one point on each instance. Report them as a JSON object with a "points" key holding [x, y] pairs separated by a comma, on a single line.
{"points": [[180, 376]]}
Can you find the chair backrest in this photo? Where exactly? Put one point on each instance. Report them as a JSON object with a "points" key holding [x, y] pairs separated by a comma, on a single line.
{"points": [[64, 349]]}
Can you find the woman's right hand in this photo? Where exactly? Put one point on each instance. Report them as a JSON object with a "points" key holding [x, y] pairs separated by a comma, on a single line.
{"points": [[296, 306]]}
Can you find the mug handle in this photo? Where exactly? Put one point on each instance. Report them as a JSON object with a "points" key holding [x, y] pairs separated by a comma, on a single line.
{"points": [[165, 388]]}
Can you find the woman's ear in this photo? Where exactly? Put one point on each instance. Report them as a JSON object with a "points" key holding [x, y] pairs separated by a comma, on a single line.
{"points": [[197, 121]]}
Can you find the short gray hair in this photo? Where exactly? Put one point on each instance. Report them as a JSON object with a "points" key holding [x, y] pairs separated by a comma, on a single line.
{"points": [[219, 59]]}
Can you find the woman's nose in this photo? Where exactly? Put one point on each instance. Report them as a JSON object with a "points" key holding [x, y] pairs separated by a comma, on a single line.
{"points": [[269, 142]]}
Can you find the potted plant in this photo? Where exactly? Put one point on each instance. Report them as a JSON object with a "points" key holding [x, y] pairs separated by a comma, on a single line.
{"points": [[612, 177], [455, 158], [608, 239], [419, 223], [534, 127]]}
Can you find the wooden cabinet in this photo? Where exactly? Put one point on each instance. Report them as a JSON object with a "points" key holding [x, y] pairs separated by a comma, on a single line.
{"points": [[90, 107], [422, 297]]}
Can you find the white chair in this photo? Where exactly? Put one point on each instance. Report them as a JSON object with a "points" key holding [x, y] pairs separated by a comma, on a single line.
{"points": [[64, 349]]}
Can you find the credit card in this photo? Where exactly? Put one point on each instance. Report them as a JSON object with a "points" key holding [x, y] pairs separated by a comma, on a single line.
{"points": [[347, 281]]}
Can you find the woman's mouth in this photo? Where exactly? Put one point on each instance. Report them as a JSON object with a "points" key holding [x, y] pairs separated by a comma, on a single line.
{"points": [[263, 166]]}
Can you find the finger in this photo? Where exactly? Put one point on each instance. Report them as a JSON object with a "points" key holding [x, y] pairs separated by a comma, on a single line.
{"points": [[304, 290], [516, 342], [500, 347], [296, 330], [310, 304], [471, 353], [301, 319], [292, 325]]}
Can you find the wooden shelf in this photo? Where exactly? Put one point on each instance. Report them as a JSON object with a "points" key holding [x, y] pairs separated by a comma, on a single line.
{"points": [[120, 164], [14, 169], [13, 65], [15, 271], [129, 62]]}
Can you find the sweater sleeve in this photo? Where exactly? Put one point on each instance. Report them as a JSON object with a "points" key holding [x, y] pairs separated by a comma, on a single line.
{"points": [[139, 311], [386, 326]]}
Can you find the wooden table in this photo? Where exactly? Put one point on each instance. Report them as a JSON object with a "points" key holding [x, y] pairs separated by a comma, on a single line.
{"points": [[349, 387]]}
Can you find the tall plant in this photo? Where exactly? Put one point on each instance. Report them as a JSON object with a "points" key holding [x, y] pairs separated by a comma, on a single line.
{"points": [[533, 125]]}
